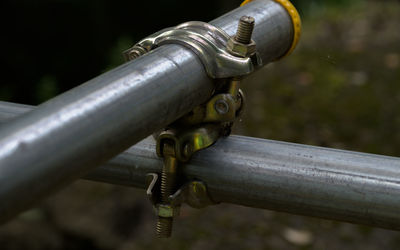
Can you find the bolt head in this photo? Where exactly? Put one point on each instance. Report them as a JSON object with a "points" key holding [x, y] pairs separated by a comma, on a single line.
{"points": [[221, 106], [134, 52], [239, 49], [188, 150], [247, 19], [133, 55]]}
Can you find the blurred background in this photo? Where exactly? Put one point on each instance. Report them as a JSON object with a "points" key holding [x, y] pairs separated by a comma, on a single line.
{"points": [[340, 88]]}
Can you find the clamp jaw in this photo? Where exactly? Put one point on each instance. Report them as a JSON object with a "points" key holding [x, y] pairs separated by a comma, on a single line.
{"points": [[226, 59], [210, 45]]}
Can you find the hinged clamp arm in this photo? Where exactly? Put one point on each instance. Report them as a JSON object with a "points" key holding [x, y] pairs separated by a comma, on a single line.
{"points": [[209, 43]]}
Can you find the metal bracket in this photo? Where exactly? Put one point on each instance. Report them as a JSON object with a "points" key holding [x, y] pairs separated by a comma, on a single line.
{"points": [[188, 140], [193, 193], [207, 41], [224, 57]]}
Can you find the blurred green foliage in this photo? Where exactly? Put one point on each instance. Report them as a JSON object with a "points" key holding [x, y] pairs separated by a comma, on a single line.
{"points": [[340, 88]]}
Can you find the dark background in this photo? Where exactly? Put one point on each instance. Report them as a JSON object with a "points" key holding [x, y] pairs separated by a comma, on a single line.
{"points": [[340, 88], [50, 46]]}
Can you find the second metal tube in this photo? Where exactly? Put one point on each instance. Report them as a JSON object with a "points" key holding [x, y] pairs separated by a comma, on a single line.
{"points": [[300, 179]]}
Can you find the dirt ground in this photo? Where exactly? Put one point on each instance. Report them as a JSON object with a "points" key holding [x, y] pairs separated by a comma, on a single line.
{"points": [[340, 89]]}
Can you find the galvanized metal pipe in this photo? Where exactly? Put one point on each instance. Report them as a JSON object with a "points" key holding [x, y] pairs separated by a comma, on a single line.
{"points": [[299, 179], [72, 133]]}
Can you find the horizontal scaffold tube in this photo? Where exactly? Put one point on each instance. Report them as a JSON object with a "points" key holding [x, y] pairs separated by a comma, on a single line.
{"points": [[67, 136], [299, 179]]}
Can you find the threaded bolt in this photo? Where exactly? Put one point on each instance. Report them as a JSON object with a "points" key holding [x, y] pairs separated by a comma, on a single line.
{"points": [[164, 227], [245, 29], [168, 178]]}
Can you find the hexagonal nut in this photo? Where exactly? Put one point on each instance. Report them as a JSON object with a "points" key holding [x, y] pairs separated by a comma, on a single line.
{"points": [[240, 49], [164, 210]]}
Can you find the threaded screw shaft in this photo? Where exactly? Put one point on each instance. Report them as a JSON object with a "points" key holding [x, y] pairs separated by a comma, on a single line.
{"points": [[245, 29], [167, 183], [164, 227], [168, 178]]}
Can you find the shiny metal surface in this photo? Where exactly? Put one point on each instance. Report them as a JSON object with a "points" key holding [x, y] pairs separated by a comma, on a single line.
{"points": [[65, 137], [299, 179], [273, 30], [9, 110], [207, 42]]}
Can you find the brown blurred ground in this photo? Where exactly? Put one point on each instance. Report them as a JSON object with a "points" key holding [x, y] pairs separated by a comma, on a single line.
{"points": [[340, 88]]}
